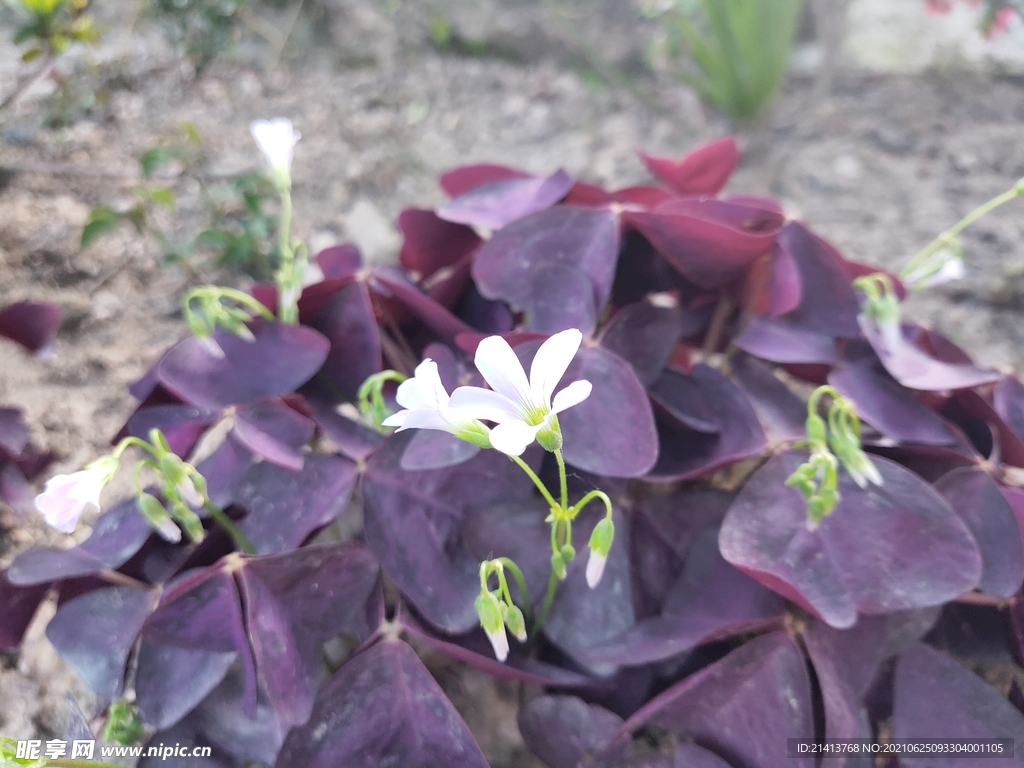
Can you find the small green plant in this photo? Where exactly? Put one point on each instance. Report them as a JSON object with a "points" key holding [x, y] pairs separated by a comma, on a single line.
{"points": [[734, 53], [48, 27], [239, 233]]}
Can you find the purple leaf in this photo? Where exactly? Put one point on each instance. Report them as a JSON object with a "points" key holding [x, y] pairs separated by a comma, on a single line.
{"points": [[19, 604], [339, 262], [182, 424], [920, 552], [711, 242], [32, 324], [280, 359], [976, 498], [742, 707], [223, 468], [1008, 401], [13, 432], [431, 243], [687, 453], [559, 297], [392, 283], [495, 204], [96, 632], [702, 171], [611, 433], [285, 507], [711, 600], [887, 406], [521, 261], [382, 708], [582, 618], [936, 696], [780, 411], [412, 522], [563, 730], [273, 431], [433, 449], [785, 291], [915, 369], [828, 303], [644, 336], [170, 682], [116, 537], [353, 439], [782, 342], [349, 324], [460, 180]]}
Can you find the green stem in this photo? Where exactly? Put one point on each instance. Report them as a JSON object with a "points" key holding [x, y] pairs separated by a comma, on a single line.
{"points": [[219, 293], [225, 522], [536, 481], [578, 506], [288, 305], [517, 574], [1016, 191], [563, 480], [549, 599]]}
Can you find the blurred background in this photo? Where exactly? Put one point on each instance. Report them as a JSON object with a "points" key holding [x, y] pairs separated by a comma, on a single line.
{"points": [[127, 173]]}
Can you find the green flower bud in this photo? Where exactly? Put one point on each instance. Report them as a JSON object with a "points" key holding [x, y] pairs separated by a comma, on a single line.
{"points": [[516, 623]]}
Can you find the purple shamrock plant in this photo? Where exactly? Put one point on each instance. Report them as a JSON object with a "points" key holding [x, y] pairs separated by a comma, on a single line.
{"points": [[816, 503]]}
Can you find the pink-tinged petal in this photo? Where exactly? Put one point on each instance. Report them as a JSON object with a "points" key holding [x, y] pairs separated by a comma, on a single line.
{"points": [[595, 568], [501, 369], [485, 404], [169, 531], [424, 420], [551, 362], [187, 490], [513, 437], [574, 394]]}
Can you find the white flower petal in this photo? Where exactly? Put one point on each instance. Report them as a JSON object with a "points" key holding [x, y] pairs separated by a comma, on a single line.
{"points": [[572, 395], [499, 641], [424, 391], [169, 531], [501, 369], [512, 437], [485, 404], [276, 139], [188, 492], [551, 362], [595, 568], [424, 419], [396, 419]]}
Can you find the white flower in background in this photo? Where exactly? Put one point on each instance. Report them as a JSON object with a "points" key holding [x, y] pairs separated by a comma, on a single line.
{"points": [[953, 268], [276, 139], [428, 407], [187, 490], [65, 497], [524, 410]]}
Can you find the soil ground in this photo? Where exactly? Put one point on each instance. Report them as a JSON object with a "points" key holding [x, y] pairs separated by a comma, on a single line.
{"points": [[879, 167]]}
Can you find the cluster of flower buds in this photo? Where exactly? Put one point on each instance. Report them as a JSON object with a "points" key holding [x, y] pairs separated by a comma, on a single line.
{"points": [[209, 307], [496, 609]]}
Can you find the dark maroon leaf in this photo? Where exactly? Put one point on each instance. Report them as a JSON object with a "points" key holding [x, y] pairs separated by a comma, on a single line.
{"points": [[19, 604], [582, 618], [888, 407], [976, 498], [353, 439], [562, 256], [116, 537], [382, 708], [285, 507], [915, 369], [742, 707], [13, 432], [920, 553], [349, 324], [412, 522], [936, 696], [828, 303], [496, 204], [392, 283], [273, 431], [32, 324], [280, 359], [188, 736], [782, 342], [782, 413], [644, 336], [96, 632], [687, 453], [223, 468], [703, 171], [611, 433], [1008, 401], [170, 682], [711, 242], [711, 600], [785, 290], [460, 180], [431, 243], [182, 424], [340, 261], [563, 730]]}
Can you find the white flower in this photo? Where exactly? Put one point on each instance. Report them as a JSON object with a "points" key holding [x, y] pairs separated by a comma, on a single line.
{"points": [[524, 410], [65, 497], [595, 568], [953, 268], [428, 407], [499, 641], [276, 139]]}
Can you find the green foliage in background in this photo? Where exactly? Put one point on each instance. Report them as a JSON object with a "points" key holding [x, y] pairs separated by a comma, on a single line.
{"points": [[50, 26], [240, 231], [734, 53]]}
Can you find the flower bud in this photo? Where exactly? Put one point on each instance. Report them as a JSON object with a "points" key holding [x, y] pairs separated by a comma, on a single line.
{"points": [[600, 545], [489, 609], [516, 623], [558, 565]]}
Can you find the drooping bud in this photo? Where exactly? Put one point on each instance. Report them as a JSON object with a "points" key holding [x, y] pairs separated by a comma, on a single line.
{"points": [[489, 610], [600, 545], [516, 623]]}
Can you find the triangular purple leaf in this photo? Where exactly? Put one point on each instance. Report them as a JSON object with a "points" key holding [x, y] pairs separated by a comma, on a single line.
{"points": [[645, 335], [828, 303], [781, 342], [170, 682], [348, 322], [19, 606], [181, 423], [32, 324], [496, 204], [273, 431], [563, 730]]}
